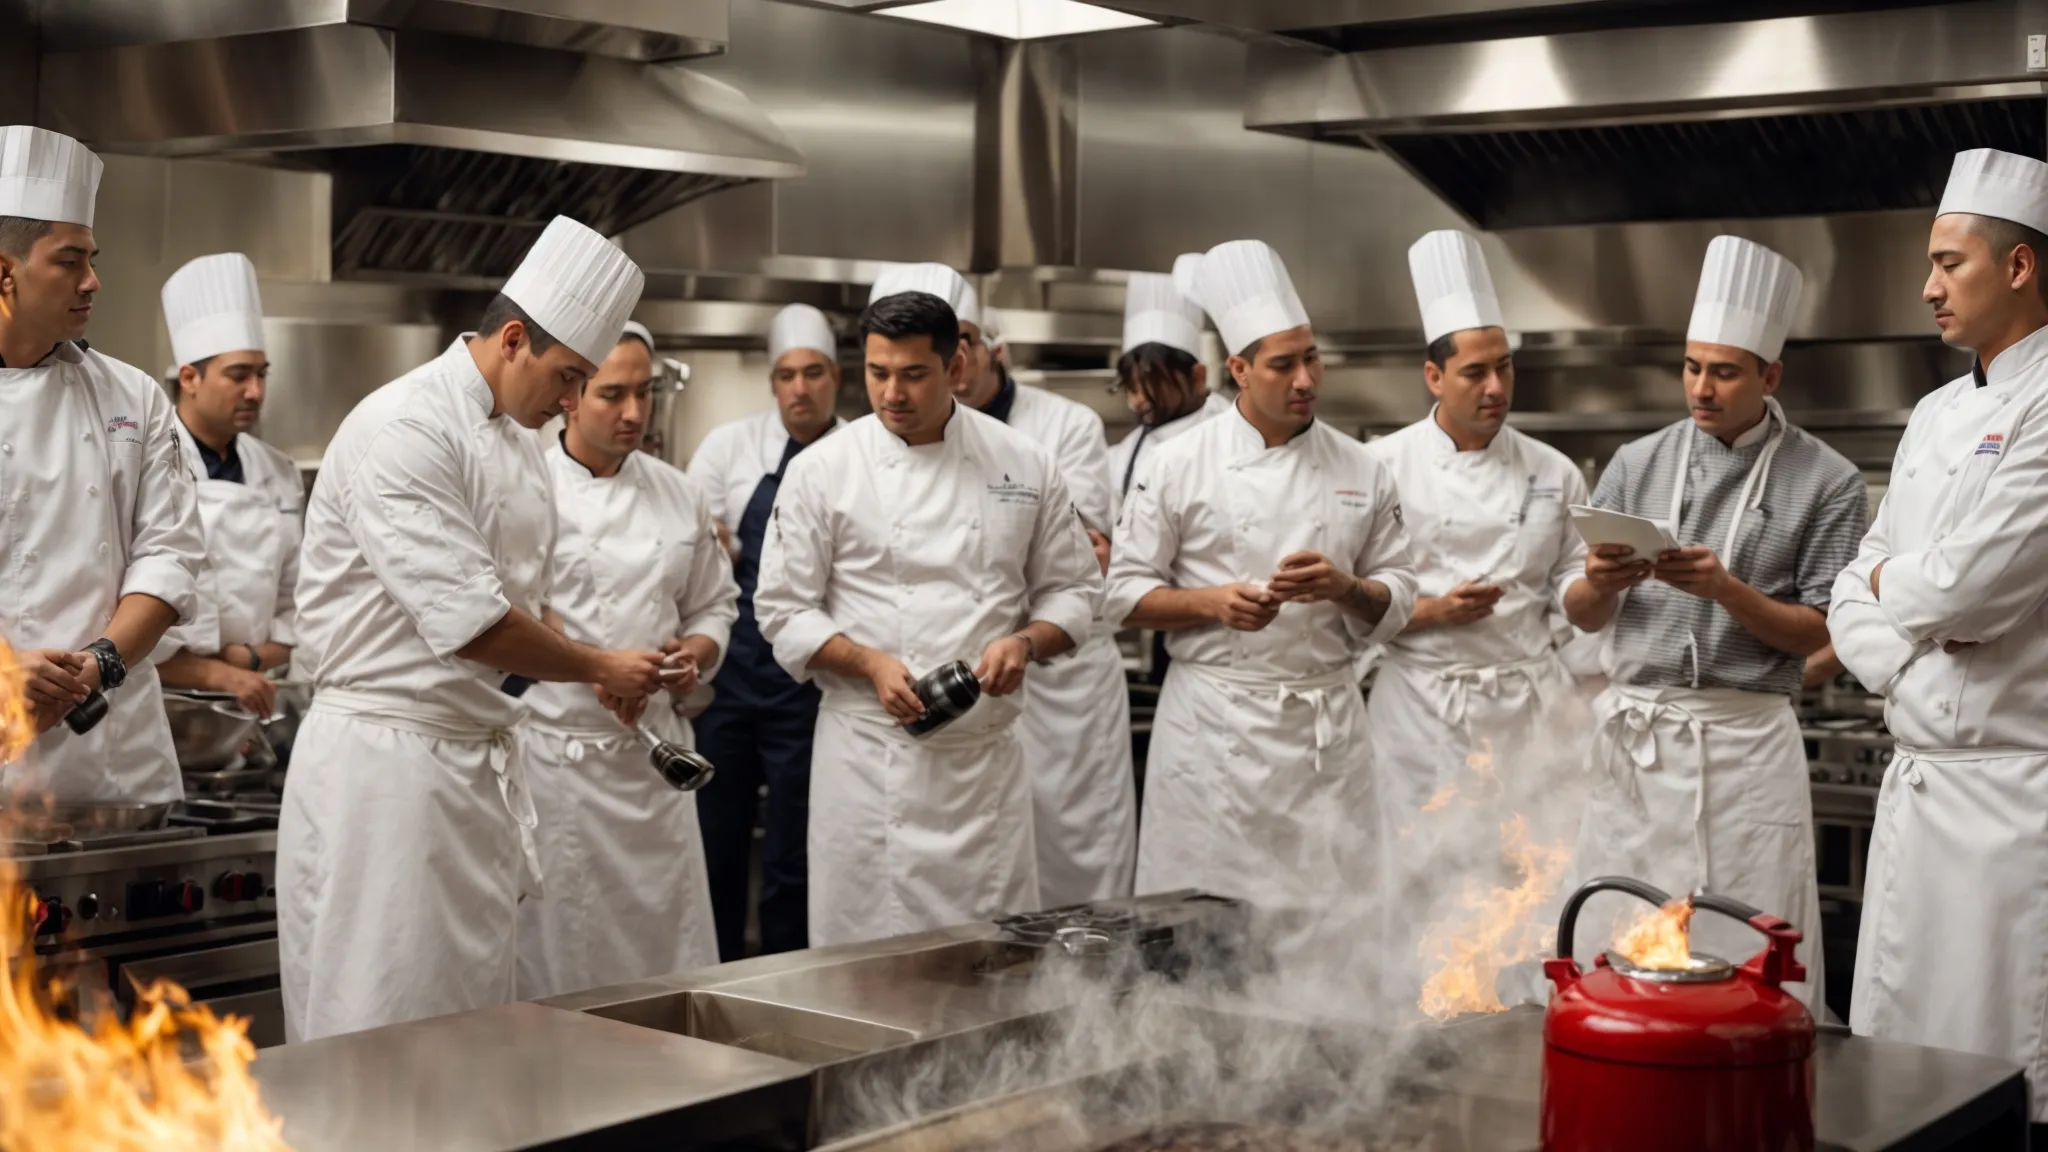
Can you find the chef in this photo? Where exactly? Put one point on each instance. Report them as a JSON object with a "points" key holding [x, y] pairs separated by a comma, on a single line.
{"points": [[1698, 771], [103, 542], [758, 728], [1270, 546], [1945, 611], [1160, 372], [251, 495], [406, 838], [637, 564], [924, 534], [1076, 726], [1476, 673]]}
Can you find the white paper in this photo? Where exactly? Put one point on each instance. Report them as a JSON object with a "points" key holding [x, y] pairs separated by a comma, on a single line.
{"points": [[1640, 534]]}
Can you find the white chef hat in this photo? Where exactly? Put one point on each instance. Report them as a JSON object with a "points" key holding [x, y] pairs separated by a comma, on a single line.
{"points": [[801, 326], [47, 176], [1156, 312], [936, 279], [1746, 299], [992, 330], [1244, 287], [1987, 182], [212, 306], [1452, 285], [578, 286], [637, 331]]}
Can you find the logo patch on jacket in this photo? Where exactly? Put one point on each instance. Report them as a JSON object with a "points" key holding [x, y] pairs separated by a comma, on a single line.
{"points": [[1011, 492], [122, 430], [1353, 498], [1993, 445]]}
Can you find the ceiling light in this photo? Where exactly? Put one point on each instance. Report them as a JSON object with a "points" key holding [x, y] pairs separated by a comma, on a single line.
{"points": [[1018, 19]]}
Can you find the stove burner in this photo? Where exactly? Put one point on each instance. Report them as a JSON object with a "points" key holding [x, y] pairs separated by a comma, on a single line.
{"points": [[1058, 924], [1168, 936]]}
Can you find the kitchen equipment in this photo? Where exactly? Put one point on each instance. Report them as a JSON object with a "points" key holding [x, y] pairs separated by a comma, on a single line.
{"points": [[947, 692], [685, 770], [294, 700], [208, 733], [1696, 1059], [84, 818]]}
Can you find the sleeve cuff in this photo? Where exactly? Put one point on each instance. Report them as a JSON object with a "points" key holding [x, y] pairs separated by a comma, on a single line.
{"points": [[166, 579], [799, 639], [464, 614], [1070, 612], [717, 628], [1121, 597], [1400, 607], [285, 630]]}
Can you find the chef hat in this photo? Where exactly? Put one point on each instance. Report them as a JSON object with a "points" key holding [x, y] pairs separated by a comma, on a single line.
{"points": [[47, 176], [1156, 312], [1452, 285], [578, 286], [1746, 299], [1987, 182], [801, 326], [637, 331], [992, 330], [936, 279], [1244, 287], [212, 306]]}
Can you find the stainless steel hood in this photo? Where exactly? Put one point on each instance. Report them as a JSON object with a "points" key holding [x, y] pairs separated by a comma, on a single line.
{"points": [[449, 152], [1609, 113]]}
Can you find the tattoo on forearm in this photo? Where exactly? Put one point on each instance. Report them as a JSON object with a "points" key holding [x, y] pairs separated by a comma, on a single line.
{"points": [[1369, 599]]}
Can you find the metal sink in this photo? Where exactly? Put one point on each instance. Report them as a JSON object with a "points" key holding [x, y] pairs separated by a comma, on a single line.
{"points": [[789, 1033]]}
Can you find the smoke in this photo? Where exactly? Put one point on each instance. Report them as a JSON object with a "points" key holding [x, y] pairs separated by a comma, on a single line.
{"points": [[1312, 1027]]}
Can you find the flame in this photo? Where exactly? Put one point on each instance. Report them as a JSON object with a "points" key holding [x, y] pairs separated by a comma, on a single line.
{"points": [[1492, 927], [1660, 939], [1442, 799], [17, 725], [1480, 760]]}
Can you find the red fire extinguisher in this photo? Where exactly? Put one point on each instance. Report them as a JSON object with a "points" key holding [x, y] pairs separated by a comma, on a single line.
{"points": [[1707, 1058]]}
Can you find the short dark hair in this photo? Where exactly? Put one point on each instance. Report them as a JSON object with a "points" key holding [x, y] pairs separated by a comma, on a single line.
{"points": [[502, 311], [1150, 368], [908, 314], [1442, 349], [18, 234], [200, 366], [1251, 350], [2006, 235]]}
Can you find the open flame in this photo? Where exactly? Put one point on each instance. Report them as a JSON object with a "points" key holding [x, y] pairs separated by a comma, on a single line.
{"points": [[1660, 938], [1492, 926], [172, 1078]]}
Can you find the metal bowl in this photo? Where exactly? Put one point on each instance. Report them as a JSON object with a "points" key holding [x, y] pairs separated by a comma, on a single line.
{"points": [[209, 734]]}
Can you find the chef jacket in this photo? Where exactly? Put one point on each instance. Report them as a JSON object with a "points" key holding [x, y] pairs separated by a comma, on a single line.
{"points": [[1959, 534], [927, 553], [1813, 508], [732, 459], [407, 555], [95, 504], [1498, 516], [1133, 453], [1073, 433], [1219, 507], [252, 517]]}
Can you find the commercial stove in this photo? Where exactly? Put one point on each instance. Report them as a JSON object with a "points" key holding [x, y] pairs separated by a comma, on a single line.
{"points": [[191, 902]]}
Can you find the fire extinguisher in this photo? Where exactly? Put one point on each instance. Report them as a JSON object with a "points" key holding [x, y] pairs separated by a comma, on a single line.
{"points": [[1706, 1058]]}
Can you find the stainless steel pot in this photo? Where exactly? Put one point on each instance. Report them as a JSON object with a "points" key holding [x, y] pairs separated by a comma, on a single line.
{"points": [[208, 731], [82, 817]]}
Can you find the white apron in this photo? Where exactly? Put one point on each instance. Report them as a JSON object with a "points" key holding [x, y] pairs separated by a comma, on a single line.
{"points": [[922, 832], [405, 845], [1953, 950], [1076, 734], [1703, 788]]}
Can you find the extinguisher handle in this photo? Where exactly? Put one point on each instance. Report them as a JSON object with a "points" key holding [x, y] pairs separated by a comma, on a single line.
{"points": [[1568, 920], [1779, 961]]}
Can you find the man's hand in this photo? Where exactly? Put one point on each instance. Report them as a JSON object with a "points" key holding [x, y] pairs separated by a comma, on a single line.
{"points": [[1001, 670], [628, 674], [55, 681], [627, 709], [895, 687], [1614, 568], [725, 538], [682, 675], [1100, 543], [1468, 603], [1310, 578], [1244, 607], [1694, 570], [252, 690]]}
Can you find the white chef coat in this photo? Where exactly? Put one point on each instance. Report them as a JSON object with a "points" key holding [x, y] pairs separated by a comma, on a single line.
{"points": [[1076, 726], [734, 457], [1133, 453], [248, 591], [637, 563], [929, 554], [406, 817], [1953, 950], [94, 505], [1496, 686], [1259, 780]]}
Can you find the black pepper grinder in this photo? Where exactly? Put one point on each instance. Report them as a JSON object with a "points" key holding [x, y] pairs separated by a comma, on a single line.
{"points": [[947, 692], [86, 715]]}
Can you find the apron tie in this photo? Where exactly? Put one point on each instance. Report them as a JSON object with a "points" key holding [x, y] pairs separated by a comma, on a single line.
{"points": [[1326, 726], [1313, 689], [1631, 729]]}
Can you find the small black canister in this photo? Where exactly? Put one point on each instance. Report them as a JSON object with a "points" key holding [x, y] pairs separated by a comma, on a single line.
{"points": [[947, 692]]}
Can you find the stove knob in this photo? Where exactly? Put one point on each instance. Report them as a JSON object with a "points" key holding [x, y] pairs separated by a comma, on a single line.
{"points": [[189, 897], [88, 907], [52, 917], [252, 884], [231, 887]]}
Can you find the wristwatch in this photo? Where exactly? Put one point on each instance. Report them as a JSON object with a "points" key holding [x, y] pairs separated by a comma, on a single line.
{"points": [[255, 658], [112, 670]]}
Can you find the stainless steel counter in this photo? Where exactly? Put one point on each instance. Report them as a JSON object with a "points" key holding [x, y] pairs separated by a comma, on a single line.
{"points": [[524, 1076]]}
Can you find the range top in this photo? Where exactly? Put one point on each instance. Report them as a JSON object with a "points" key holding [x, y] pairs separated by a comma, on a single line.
{"points": [[1168, 935]]}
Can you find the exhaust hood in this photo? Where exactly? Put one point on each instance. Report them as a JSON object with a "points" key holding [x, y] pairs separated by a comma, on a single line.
{"points": [[1661, 111], [449, 152]]}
